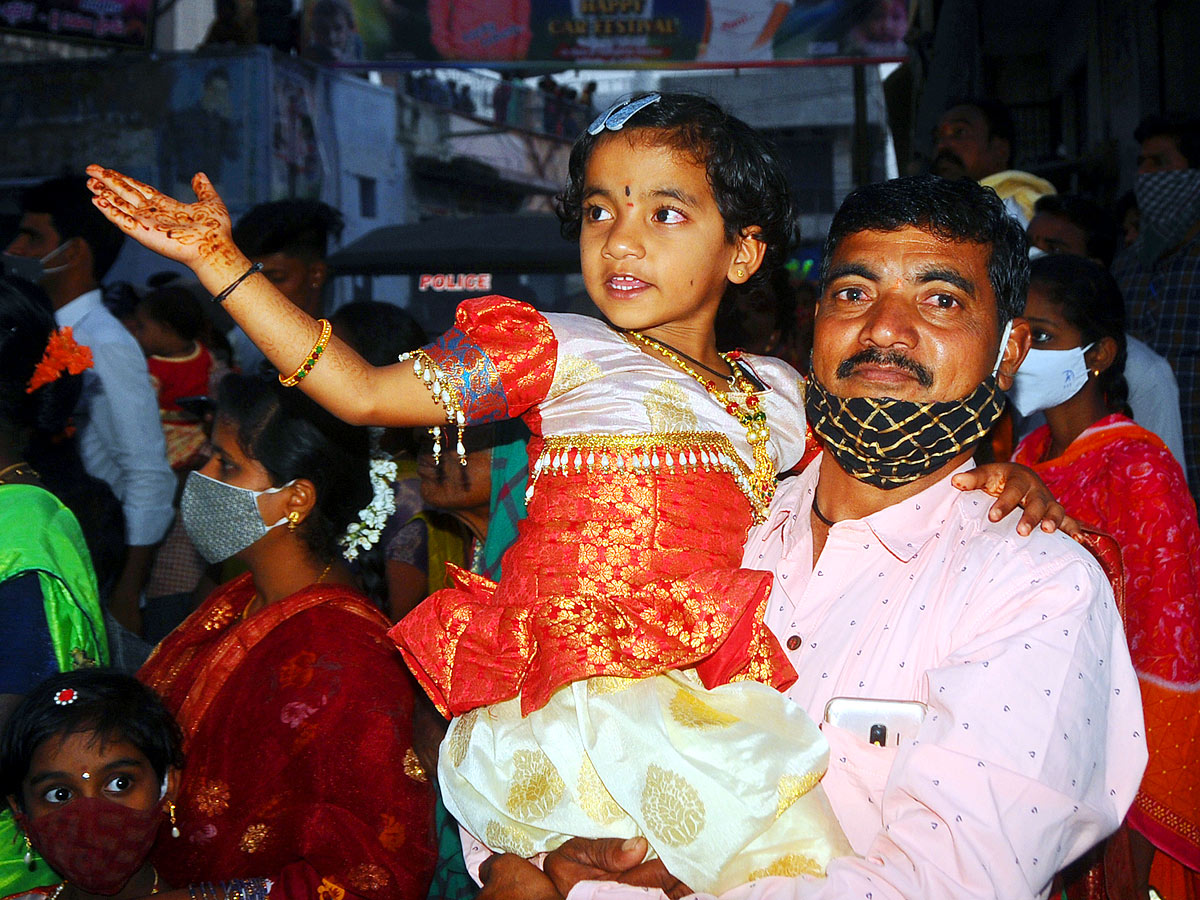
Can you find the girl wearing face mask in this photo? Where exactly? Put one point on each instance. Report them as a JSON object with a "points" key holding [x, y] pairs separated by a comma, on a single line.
{"points": [[295, 707], [89, 764], [1111, 474]]}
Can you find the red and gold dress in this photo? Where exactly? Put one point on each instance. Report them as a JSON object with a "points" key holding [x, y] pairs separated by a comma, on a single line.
{"points": [[1120, 478], [619, 679]]}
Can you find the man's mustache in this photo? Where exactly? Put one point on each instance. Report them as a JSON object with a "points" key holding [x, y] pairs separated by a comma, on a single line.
{"points": [[872, 356], [947, 158]]}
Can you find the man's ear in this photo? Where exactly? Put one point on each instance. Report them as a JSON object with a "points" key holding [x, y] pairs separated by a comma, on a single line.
{"points": [[77, 252], [1019, 341], [13, 805], [750, 251], [318, 274], [1001, 152]]}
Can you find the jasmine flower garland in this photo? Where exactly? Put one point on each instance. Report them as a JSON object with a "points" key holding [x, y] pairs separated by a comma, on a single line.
{"points": [[365, 533]]}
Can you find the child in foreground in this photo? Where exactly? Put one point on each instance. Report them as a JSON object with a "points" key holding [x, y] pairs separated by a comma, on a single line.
{"points": [[89, 762], [619, 679]]}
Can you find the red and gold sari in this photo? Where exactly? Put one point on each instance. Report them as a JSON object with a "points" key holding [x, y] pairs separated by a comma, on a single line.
{"points": [[1120, 478], [298, 734]]}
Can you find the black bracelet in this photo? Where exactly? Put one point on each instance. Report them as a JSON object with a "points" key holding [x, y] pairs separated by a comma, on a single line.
{"points": [[224, 295]]}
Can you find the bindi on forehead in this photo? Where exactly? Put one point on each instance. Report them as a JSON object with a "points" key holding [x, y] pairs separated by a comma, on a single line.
{"points": [[626, 190]]}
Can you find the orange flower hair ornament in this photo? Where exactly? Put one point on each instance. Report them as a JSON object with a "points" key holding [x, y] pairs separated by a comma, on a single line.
{"points": [[62, 355]]}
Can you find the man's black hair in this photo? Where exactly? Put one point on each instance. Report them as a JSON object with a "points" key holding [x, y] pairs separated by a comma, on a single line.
{"points": [[68, 202], [299, 228], [748, 182], [1097, 224], [959, 210], [111, 704], [1185, 132], [999, 120]]}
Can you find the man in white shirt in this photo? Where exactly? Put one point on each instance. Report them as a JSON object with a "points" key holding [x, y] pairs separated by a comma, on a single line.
{"points": [[120, 435]]}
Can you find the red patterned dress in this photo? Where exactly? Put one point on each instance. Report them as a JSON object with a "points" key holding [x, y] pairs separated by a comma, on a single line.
{"points": [[295, 722], [1120, 478], [642, 491]]}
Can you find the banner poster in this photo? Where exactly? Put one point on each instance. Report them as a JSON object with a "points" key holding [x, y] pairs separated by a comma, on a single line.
{"points": [[599, 33], [122, 22], [296, 163]]}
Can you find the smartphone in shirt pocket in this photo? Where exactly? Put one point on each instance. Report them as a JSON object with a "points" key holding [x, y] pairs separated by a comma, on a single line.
{"points": [[884, 723]]}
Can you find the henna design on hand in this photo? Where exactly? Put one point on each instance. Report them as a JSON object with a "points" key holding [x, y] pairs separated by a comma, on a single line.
{"points": [[188, 232]]}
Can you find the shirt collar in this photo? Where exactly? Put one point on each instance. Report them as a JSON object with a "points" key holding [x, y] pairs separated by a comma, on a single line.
{"points": [[69, 314], [903, 528]]}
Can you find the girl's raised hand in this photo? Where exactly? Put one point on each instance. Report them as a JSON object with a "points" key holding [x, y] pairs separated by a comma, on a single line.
{"points": [[195, 234]]}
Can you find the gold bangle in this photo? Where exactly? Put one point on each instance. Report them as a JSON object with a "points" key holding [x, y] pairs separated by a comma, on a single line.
{"points": [[311, 359]]}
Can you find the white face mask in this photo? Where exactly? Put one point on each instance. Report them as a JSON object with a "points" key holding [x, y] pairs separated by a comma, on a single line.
{"points": [[1047, 378]]}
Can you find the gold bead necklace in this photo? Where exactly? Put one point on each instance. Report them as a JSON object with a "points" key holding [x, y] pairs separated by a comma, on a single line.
{"points": [[743, 404]]}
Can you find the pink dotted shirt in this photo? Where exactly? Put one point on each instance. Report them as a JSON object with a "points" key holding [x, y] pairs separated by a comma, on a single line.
{"points": [[1032, 747]]}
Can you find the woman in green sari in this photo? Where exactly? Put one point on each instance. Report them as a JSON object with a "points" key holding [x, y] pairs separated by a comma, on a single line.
{"points": [[50, 619]]}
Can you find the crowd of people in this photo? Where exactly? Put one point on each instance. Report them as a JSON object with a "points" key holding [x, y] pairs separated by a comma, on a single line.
{"points": [[549, 108], [308, 605]]}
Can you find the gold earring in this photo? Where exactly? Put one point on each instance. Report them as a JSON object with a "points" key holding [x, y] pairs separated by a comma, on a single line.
{"points": [[293, 520], [1095, 373], [741, 273], [171, 816], [29, 862]]}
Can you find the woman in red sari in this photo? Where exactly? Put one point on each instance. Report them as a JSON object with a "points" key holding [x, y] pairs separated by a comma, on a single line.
{"points": [[296, 709], [1111, 474]]}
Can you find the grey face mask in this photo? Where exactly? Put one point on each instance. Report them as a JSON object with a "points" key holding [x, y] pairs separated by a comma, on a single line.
{"points": [[31, 268], [222, 519]]}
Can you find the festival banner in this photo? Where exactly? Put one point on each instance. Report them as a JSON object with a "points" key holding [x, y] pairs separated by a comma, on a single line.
{"points": [[605, 33], [126, 23]]}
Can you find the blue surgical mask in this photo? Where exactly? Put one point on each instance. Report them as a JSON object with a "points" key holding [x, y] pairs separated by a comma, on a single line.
{"points": [[222, 519]]}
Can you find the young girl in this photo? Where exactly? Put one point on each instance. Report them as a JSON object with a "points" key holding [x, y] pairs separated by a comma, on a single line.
{"points": [[89, 761], [619, 680]]}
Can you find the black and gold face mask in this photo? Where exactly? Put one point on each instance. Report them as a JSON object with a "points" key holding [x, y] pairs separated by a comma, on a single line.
{"points": [[888, 443]]}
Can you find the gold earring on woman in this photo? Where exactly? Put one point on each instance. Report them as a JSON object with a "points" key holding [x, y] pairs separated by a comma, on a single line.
{"points": [[171, 816], [741, 273], [293, 520]]}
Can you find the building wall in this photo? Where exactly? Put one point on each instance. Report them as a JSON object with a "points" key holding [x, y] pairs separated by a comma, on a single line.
{"points": [[262, 126]]}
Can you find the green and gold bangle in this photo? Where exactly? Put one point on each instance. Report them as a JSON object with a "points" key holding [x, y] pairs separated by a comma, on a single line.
{"points": [[314, 355]]}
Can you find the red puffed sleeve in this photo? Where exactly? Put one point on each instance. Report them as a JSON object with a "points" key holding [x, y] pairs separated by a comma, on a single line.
{"points": [[496, 361]]}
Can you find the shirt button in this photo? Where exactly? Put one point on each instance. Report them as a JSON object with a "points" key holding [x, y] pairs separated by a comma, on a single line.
{"points": [[793, 643]]}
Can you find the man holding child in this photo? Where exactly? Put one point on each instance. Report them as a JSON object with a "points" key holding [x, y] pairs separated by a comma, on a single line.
{"points": [[892, 585]]}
